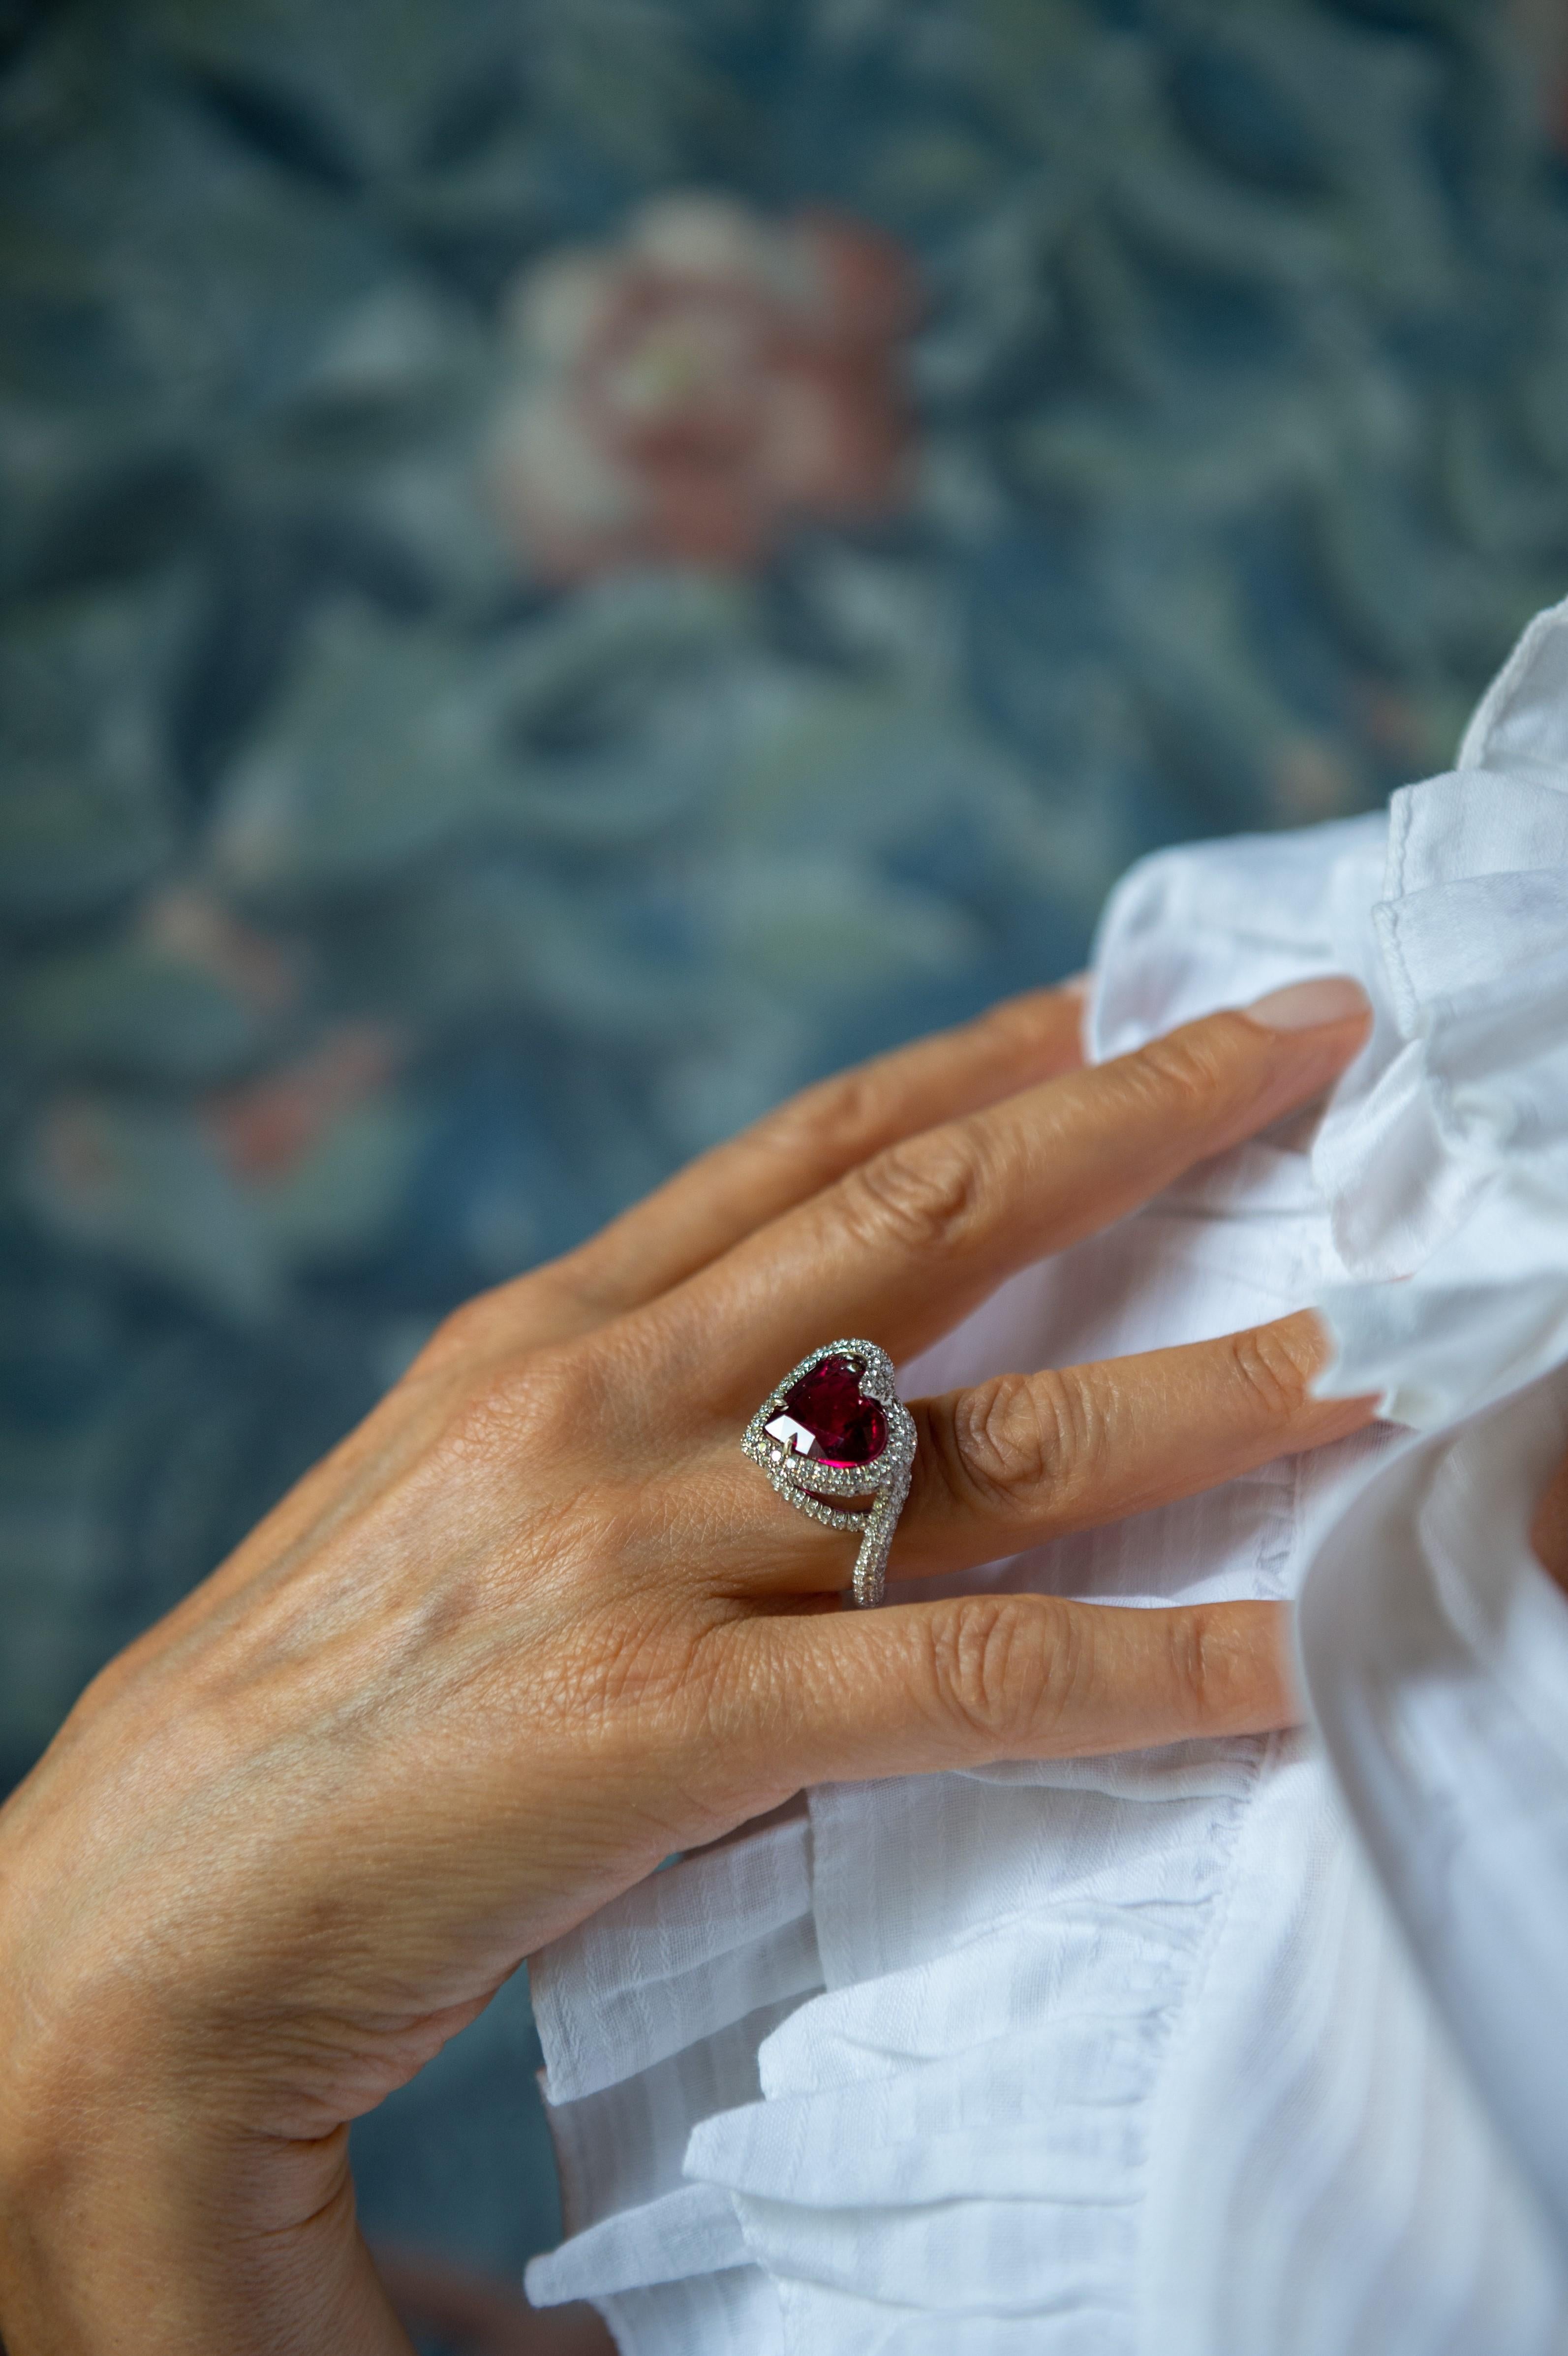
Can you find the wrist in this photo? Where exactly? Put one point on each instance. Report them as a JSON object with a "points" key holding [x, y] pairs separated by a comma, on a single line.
{"points": [[124, 2251], [134, 2222]]}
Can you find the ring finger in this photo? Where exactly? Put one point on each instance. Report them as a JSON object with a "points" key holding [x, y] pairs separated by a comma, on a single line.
{"points": [[1023, 1459]]}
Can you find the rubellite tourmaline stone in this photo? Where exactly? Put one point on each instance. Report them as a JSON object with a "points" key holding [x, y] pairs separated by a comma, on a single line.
{"points": [[836, 1442], [847, 1427]]}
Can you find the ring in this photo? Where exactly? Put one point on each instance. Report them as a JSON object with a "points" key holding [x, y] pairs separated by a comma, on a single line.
{"points": [[836, 1427]]}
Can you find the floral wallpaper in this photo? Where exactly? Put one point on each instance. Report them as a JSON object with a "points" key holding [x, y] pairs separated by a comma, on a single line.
{"points": [[568, 564], [689, 393]]}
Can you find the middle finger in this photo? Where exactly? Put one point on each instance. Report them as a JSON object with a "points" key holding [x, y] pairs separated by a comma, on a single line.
{"points": [[904, 1246]]}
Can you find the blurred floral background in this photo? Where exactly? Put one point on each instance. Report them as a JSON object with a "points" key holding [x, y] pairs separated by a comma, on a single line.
{"points": [[566, 565]]}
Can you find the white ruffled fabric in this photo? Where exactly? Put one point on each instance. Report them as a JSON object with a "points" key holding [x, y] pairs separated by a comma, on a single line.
{"points": [[1435, 1652], [1127, 2055], [1445, 1156]]}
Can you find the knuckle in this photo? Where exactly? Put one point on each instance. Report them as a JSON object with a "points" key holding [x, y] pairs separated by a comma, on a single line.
{"points": [[652, 1664], [584, 1286], [1002, 1667], [1013, 1026], [1186, 1072], [534, 1408], [825, 1126], [1275, 1367], [921, 1197], [1008, 1442], [1197, 1677], [494, 1322], [460, 1332]]}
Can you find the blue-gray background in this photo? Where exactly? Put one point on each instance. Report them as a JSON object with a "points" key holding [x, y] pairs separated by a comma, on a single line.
{"points": [[380, 912]]}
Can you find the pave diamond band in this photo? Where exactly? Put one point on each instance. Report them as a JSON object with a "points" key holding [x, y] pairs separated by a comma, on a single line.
{"points": [[835, 1428]]}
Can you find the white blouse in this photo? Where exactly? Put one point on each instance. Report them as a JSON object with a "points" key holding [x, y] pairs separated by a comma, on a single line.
{"points": [[1135, 2056]]}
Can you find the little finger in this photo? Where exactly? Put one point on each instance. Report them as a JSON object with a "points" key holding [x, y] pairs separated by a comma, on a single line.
{"points": [[917, 1688]]}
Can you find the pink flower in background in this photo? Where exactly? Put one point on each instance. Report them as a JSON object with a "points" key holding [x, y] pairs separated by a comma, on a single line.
{"points": [[687, 393], [264, 1128]]}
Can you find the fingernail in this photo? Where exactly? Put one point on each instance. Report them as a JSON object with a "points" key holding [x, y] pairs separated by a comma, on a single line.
{"points": [[1307, 1005], [1077, 985]]}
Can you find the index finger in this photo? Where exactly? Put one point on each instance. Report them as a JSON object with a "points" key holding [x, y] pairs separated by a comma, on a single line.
{"points": [[904, 1246]]}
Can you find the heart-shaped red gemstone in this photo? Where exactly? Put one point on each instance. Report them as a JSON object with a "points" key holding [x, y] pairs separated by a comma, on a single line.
{"points": [[847, 1427]]}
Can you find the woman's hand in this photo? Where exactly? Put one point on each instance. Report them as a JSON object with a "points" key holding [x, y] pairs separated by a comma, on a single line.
{"points": [[537, 1623]]}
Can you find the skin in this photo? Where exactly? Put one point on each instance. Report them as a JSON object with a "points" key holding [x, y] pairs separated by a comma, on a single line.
{"points": [[537, 1623]]}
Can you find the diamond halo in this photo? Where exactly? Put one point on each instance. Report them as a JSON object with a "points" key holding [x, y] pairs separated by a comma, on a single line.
{"points": [[809, 1481]]}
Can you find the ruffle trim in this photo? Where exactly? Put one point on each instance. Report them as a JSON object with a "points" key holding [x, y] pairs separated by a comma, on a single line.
{"points": [[1435, 1652], [1444, 1156], [958, 2145]]}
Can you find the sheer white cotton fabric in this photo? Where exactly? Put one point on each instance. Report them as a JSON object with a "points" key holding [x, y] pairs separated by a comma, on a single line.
{"points": [[1127, 2055]]}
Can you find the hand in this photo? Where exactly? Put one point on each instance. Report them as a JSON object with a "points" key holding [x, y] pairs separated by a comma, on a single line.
{"points": [[537, 1623]]}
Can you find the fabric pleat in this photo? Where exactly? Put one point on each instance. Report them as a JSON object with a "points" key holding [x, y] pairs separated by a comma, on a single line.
{"points": [[1321, 2175]]}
